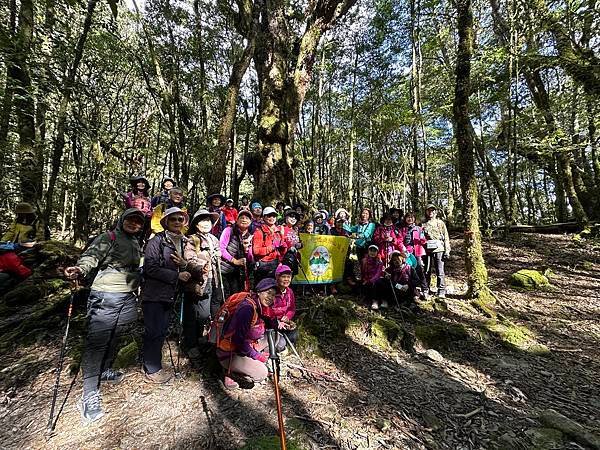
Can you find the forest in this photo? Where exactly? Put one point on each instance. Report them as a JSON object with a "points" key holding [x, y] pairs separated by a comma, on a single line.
{"points": [[484, 110]]}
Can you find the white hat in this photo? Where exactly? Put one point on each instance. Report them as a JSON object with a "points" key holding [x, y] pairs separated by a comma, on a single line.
{"points": [[269, 210]]}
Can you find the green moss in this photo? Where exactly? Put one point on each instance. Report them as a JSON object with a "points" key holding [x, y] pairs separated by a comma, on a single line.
{"points": [[127, 356], [269, 443], [515, 337], [529, 279], [440, 336], [484, 308], [307, 343], [385, 333]]}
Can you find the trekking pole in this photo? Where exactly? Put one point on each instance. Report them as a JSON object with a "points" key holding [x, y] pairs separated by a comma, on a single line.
{"points": [[293, 347], [304, 273], [62, 356], [396, 299], [274, 357]]}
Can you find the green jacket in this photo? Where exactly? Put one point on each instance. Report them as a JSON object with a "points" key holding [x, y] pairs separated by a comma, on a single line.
{"points": [[436, 229], [116, 255]]}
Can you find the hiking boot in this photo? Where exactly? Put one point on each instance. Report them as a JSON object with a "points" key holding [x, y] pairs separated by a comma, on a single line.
{"points": [[441, 294], [374, 305], [424, 296], [230, 383], [111, 376], [90, 407], [384, 304], [160, 377]]}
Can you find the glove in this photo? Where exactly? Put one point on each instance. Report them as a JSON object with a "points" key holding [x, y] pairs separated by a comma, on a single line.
{"points": [[292, 250], [276, 243], [446, 257], [263, 357], [298, 245], [401, 287]]}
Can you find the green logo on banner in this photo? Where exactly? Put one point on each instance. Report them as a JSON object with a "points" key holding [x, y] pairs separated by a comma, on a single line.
{"points": [[319, 261]]}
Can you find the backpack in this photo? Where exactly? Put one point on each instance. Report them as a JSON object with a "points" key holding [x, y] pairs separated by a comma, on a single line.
{"points": [[217, 334], [88, 280]]}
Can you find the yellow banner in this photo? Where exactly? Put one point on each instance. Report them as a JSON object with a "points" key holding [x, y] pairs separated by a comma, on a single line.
{"points": [[322, 259]]}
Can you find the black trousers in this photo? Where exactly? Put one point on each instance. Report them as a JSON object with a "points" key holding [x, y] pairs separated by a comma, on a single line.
{"points": [[156, 327], [109, 314], [198, 311]]}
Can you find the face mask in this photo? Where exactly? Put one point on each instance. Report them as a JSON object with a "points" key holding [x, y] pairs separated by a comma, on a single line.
{"points": [[204, 226]]}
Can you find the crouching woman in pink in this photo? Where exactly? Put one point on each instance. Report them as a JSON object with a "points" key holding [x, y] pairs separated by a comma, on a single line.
{"points": [[241, 341], [283, 309]]}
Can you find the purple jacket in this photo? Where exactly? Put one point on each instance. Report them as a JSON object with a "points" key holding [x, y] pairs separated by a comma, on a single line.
{"points": [[245, 335], [404, 274]]}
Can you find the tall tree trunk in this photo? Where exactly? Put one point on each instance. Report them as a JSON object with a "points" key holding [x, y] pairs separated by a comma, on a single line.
{"points": [[216, 176], [475, 265], [7, 99], [30, 162], [63, 110], [284, 73]]}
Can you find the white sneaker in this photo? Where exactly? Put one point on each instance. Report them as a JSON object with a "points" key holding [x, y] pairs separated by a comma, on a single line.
{"points": [[384, 304], [374, 306]]}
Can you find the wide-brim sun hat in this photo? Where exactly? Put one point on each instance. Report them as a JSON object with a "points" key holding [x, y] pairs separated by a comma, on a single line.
{"points": [[373, 247], [291, 212], [201, 213], [430, 206], [341, 210], [135, 180], [174, 210], [24, 208], [210, 198]]}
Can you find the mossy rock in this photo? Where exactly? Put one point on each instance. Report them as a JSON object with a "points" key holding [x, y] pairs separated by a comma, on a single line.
{"points": [[386, 333], [545, 438], [24, 294], [529, 279], [269, 443], [127, 356], [440, 336], [515, 337], [307, 343]]}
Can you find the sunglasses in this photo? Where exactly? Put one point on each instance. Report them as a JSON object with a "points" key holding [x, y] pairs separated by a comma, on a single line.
{"points": [[177, 219]]}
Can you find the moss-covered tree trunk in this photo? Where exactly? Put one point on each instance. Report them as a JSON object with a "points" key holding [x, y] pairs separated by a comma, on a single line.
{"points": [[31, 162], [475, 265], [284, 64], [246, 24]]}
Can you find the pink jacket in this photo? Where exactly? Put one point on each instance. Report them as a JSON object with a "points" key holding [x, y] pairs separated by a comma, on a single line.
{"points": [[139, 201], [371, 269], [387, 247], [284, 305], [416, 245]]}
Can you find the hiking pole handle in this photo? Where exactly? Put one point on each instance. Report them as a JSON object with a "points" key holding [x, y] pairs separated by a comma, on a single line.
{"points": [[272, 348]]}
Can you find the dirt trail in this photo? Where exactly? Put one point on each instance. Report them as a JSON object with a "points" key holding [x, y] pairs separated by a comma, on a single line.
{"points": [[478, 392]]}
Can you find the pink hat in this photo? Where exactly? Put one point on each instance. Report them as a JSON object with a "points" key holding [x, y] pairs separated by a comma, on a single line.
{"points": [[282, 268]]}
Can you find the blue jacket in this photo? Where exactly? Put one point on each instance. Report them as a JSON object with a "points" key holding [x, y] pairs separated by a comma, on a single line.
{"points": [[364, 233]]}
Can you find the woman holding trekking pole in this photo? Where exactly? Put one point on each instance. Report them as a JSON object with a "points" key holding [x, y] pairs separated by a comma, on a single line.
{"points": [[111, 305], [204, 292]]}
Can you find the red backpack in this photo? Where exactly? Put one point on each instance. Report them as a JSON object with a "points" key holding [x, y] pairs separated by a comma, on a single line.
{"points": [[217, 334]]}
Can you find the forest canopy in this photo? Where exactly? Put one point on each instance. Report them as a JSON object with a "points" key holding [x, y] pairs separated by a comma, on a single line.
{"points": [[349, 103]]}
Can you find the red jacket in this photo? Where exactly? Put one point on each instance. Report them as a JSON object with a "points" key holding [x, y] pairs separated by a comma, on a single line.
{"points": [[231, 214], [382, 233], [12, 263], [263, 244]]}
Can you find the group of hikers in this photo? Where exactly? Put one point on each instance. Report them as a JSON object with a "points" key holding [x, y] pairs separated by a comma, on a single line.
{"points": [[226, 273]]}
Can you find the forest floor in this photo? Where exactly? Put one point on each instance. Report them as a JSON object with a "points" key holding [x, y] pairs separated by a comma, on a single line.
{"points": [[485, 385]]}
